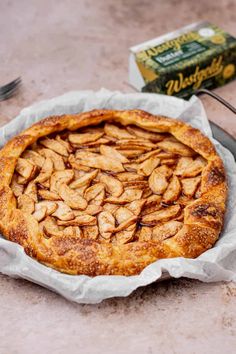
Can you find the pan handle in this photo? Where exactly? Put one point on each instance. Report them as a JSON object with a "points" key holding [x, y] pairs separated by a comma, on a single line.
{"points": [[216, 97]]}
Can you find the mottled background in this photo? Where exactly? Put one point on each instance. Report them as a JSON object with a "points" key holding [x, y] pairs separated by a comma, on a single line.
{"points": [[62, 45]]}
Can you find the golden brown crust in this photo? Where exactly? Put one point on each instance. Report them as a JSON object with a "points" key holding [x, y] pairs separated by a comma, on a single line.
{"points": [[203, 218]]}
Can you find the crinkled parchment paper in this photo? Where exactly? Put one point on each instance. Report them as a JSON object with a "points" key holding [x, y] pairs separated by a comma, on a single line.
{"points": [[218, 263]]}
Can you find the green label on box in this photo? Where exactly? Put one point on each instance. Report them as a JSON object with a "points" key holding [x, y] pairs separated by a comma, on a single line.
{"points": [[172, 56]]}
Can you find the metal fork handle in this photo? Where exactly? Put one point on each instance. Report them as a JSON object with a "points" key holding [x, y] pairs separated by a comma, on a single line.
{"points": [[6, 88], [216, 97]]}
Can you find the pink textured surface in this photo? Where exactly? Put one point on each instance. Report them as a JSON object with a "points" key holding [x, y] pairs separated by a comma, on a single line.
{"points": [[63, 45]]}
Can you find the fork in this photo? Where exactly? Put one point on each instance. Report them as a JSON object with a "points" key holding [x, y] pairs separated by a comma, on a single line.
{"points": [[9, 89]]}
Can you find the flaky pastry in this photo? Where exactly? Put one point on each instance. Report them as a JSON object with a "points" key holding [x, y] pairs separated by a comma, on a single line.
{"points": [[109, 192]]}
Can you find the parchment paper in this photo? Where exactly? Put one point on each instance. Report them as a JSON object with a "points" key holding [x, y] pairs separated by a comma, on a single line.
{"points": [[218, 263]]}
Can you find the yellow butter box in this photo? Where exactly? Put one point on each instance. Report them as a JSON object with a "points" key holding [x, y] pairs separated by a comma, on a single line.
{"points": [[200, 55]]}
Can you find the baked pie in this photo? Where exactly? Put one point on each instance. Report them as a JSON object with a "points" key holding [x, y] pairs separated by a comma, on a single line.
{"points": [[109, 192]]}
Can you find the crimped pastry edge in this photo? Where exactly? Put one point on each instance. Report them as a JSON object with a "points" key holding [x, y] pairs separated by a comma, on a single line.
{"points": [[203, 218]]}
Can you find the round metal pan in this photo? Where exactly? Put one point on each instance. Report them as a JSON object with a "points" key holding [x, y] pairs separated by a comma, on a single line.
{"points": [[224, 138], [218, 133]]}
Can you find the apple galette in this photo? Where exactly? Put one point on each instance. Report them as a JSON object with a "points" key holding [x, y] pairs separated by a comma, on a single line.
{"points": [[109, 192]]}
